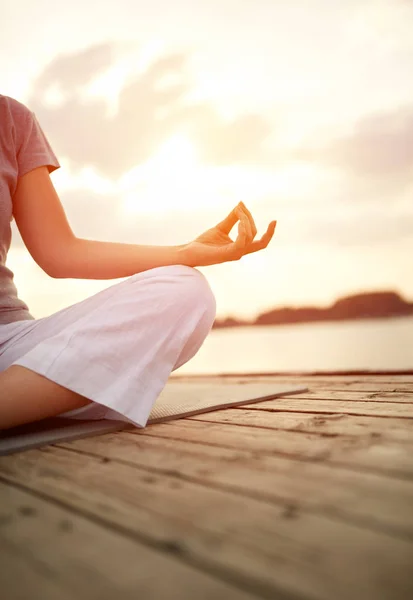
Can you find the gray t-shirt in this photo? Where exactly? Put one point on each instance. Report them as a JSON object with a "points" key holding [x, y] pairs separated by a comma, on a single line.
{"points": [[23, 147]]}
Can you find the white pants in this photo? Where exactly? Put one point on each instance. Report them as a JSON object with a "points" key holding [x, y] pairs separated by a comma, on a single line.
{"points": [[119, 346]]}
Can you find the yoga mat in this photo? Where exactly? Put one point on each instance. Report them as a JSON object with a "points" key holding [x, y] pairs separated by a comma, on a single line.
{"points": [[177, 400]]}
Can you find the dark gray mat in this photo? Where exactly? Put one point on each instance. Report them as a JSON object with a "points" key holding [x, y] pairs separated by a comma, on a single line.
{"points": [[177, 400]]}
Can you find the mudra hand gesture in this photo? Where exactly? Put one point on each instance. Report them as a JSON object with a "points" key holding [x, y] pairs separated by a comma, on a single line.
{"points": [[215, 246]]}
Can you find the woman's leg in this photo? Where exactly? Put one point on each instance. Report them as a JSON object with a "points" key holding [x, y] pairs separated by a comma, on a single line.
{"points": [[27, 396]]}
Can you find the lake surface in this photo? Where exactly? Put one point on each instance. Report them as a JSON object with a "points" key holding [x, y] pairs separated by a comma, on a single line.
{"points": [[371, 344]]}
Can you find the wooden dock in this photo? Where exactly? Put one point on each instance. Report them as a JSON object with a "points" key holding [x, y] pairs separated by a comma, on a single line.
{"points": [[296, 498]]}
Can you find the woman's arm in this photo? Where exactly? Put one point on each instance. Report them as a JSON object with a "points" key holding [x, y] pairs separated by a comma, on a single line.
{"points": [[50, 240], [90, 259]]}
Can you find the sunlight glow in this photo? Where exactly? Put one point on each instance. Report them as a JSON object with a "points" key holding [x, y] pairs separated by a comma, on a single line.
{"points": [[172, 180], [87, 179]]}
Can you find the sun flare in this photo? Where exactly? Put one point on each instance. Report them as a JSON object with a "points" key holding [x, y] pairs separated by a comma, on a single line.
{"points": [[175, 180], [172, 180]]}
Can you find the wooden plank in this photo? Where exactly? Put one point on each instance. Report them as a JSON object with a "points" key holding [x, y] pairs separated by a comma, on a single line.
{"points": [[354, 386], [300, 404], [371, 384], [336, 424], [49, 552], [357, 396], [275, 546], [21, 578], [370, 452], [357, 496]]}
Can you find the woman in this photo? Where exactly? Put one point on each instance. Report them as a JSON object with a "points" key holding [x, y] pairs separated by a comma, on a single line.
{"points": [[110, 355]]}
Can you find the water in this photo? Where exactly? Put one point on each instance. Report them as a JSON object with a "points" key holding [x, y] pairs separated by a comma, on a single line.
{"points": [[371, 344]]}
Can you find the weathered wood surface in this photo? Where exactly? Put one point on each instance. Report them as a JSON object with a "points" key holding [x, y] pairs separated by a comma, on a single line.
{"points": [[397, 395], [305, 497], [371, 451], [349, 407], [333, 425], [276, 545], [49, 552]]}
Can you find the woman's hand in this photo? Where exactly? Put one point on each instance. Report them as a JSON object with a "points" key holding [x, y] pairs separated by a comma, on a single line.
{"points": [[215, 246]]}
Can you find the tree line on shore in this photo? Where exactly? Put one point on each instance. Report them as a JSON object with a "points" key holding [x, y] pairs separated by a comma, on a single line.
{"points": [[372, 305]]}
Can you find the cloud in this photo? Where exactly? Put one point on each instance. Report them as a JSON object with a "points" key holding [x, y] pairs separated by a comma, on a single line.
{"points": [[221, 143], [342, 214], [148, 113], [360, 229], [380, 148], [72, 71]]}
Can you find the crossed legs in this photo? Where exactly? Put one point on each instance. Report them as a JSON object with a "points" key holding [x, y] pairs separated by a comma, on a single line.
{"points": [[185, 305]]}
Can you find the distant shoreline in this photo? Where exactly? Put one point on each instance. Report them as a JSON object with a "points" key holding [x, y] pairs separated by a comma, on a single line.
{"points": [[352, 319], [373, 305]]}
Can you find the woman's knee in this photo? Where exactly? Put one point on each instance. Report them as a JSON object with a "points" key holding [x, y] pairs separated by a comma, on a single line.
{"points": [[192, 289], [200, 293], [187, 285]]}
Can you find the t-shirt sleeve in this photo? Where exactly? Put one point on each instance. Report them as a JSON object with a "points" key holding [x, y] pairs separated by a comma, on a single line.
{"points": [[34, 149]]}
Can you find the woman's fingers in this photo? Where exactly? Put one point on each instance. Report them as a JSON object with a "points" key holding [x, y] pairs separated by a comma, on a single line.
{"points": [[237, 213], [244, 219], [247, 230], [238, 247], [264, 241], [228, 223], [243, 245], [251, 220]]}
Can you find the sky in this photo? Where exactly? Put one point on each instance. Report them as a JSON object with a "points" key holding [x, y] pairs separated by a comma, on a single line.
{"points": [[164, 115]]}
